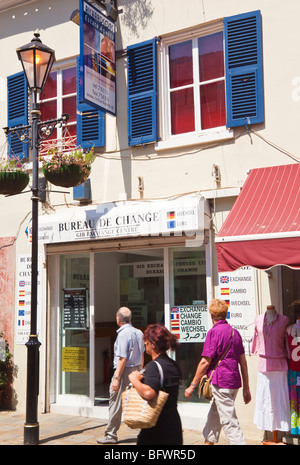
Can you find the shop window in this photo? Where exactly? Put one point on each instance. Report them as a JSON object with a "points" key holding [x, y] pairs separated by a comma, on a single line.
{"points": [[188, 304], [290, 290], [142, 290]]}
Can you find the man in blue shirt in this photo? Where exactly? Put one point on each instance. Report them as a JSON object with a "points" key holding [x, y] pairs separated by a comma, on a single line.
{"points": [[128, 356]]}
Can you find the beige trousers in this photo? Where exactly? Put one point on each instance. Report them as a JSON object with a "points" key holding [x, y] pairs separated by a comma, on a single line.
{"points": [[115, 403], [222, 414]]}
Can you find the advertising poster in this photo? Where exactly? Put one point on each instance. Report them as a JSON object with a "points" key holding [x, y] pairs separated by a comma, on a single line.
{"points": [[237, 289], [97, 58], [189, 322]]}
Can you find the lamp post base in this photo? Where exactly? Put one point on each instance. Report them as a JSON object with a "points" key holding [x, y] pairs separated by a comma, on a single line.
{"points": [[31, 434]]}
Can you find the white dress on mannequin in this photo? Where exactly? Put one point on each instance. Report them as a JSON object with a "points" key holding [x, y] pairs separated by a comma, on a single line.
{"points": [[272, 408]]}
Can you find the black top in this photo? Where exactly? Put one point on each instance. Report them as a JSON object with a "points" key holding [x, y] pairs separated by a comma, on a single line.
{"points": [[168, 430]]}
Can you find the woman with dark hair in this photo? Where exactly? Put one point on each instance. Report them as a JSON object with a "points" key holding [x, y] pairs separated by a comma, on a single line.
{"points": [[168, 430]]}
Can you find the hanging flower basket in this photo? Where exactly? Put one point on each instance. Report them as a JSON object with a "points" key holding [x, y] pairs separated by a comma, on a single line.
{"points": [[13, 179], [67, 170], [66, 175], [13, 182]]}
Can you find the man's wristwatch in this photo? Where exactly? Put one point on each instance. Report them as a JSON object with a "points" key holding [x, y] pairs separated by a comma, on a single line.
{"points": [[116, 377]]}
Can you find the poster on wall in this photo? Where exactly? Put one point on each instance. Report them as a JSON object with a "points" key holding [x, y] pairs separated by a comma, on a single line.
{"points": [[237, 289], [97, 59], [189, 322], [23, 298]]}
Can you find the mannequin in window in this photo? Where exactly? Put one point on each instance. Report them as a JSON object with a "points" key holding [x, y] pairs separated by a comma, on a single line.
{"points": [[272, 398], [293, 333]]}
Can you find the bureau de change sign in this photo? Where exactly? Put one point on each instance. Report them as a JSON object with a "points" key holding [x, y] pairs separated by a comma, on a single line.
{"points": [[189, 322]]}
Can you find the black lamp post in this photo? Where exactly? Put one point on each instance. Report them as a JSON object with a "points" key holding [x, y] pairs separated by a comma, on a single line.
{"points": [[37, 60]]}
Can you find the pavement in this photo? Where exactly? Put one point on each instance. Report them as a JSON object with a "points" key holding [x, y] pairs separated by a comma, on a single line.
{"points": [[68, 430]]}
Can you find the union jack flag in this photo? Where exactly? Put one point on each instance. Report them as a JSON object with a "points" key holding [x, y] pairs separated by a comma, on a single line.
{"points": [[224, 279]]}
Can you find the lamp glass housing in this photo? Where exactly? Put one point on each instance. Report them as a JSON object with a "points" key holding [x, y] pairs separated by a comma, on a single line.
{"points": [[37, 60]]}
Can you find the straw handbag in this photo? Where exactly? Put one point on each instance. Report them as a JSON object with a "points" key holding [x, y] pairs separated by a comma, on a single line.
{"points": [[139, 413]]}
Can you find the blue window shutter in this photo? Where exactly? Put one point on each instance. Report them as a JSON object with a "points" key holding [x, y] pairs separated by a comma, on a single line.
{"points": [[90, 122], [243, 69], [142, 93], [17, 113]]}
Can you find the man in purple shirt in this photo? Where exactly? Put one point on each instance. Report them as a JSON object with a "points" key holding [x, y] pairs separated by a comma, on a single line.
{"points": [[226, 379]]}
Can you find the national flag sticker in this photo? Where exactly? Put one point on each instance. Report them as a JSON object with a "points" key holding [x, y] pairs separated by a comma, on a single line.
{"points": [[224, 290], [224, 279], [171, 223], [175, 325]]}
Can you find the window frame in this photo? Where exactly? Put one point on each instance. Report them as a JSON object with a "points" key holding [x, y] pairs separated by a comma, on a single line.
{"points": [[198, 136], [59, 69]]}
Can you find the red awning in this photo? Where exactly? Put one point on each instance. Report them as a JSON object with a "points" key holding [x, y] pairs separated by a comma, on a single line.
{"points": [[263, 226]]}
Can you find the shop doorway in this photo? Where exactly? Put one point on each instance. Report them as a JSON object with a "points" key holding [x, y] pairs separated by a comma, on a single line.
{"points": [[134, 279], [149, 282], [74, 326]]}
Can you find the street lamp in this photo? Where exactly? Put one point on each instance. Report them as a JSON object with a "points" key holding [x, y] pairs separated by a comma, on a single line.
{"points": [[37, 60]]}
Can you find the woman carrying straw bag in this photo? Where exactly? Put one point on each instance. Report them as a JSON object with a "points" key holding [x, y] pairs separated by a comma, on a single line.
{"points": [[168, 429]]}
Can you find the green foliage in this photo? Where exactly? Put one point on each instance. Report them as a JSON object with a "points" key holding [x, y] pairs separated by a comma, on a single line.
{"points": [[6, 363]]}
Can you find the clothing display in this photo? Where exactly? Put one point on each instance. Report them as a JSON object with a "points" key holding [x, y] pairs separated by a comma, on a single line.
{"points": [[272, 404], [269, 343], [272, 410], [293, 333]]}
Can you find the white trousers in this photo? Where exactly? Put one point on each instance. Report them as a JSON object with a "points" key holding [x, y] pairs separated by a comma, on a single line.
{"points": [[222, 414]]}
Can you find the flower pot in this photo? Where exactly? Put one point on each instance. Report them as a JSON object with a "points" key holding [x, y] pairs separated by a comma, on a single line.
{"points": [[66, 175], [13, 182]]}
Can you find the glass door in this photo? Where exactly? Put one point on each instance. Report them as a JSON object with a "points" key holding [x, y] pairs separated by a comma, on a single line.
{"points": [[74, 331], [188, 309]]}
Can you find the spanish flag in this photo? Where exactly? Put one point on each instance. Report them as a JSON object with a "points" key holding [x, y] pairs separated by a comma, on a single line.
{"points": [[225, 291]]}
